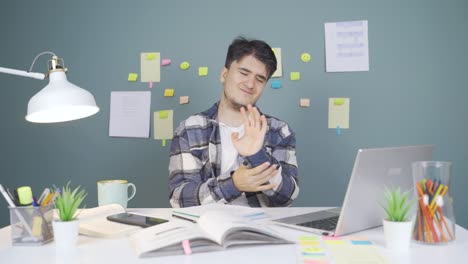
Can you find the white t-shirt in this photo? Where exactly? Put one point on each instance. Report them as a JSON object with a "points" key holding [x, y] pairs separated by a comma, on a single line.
{"points": [[230, 156]]}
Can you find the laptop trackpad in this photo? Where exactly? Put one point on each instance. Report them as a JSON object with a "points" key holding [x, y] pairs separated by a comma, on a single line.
{"points": [[299, 219]]}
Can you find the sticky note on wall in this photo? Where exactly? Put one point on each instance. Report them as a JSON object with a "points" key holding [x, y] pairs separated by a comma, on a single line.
{"points": [[295, 76], [183, 100], [163, 124], [338, 113], [202, 71], [279, 65], [132, 77], [304, 102], [276, 84], [168, 92], [150, 67]]}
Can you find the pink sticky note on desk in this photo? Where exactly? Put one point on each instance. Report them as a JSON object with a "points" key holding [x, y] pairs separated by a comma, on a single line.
{"points": [[165, 62]]}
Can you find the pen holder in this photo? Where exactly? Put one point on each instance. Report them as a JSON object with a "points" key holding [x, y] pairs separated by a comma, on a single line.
{"points": [[31, 226], [435, 218]]}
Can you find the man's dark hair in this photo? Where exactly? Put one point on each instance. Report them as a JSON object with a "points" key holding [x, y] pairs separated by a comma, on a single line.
{"points": [[241, 47]]}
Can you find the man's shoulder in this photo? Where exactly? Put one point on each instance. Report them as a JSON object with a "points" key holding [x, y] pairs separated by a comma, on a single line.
{"points": [[195, 122]]}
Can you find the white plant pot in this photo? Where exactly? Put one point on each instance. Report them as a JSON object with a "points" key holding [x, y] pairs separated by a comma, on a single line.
{"points": [[398, 234], [66, 234]]}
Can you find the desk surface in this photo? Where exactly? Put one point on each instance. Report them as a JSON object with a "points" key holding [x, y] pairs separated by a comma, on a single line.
{"points": [[115, 251]]}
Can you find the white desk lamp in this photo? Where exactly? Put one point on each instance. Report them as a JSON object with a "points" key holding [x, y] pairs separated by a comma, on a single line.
{"points": [[60, 100]]}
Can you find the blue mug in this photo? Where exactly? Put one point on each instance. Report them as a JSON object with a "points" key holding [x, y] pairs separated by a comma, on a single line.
{"points": [[115, 192]]}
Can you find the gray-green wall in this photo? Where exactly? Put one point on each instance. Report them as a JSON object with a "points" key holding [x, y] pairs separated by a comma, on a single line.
{"points": [[414, 93]]}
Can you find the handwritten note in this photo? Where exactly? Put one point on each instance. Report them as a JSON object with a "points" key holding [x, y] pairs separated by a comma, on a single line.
{"points": [[346, 46]]}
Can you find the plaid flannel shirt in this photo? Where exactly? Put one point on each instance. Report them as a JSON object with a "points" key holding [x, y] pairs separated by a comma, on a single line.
{"points": [[195, 164]]}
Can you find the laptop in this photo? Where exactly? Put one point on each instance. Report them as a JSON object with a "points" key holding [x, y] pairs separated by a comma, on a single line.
{"points": [[373, 170]]}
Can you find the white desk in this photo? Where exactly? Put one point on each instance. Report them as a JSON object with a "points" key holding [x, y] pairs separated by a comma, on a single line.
{"points": [[115, 251]]}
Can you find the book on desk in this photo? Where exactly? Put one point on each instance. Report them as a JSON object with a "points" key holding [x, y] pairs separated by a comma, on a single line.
{"points": [[214, 230]]}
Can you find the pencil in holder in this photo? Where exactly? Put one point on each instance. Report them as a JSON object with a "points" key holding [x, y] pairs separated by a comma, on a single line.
{"points": [[31, 226], [435, 218]]}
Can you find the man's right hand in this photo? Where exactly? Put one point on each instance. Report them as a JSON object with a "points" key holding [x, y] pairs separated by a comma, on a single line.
{"points": [[254, 179]]}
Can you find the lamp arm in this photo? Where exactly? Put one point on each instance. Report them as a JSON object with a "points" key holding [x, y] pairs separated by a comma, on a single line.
{"points": [[29, 74], [34, 75]]}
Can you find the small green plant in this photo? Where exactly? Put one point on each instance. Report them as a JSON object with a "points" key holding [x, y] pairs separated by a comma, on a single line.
{"points": [[67, 202], [397, 205]]}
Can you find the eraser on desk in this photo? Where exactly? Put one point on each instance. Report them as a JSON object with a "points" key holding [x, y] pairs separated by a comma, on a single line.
{"points": [[25, 195], [186, 247]]}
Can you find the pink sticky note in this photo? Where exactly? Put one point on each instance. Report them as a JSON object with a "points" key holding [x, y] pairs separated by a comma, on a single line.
{"points": [[186, 247], [151, 84], [165, 62], [332, 238], [315, 261]]}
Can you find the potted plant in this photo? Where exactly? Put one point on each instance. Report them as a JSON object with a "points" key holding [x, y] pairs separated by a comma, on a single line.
{"points": [[66, 228], [397, 225]]}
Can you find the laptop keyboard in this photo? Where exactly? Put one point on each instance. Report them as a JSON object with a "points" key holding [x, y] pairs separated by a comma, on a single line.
{"points": [[328, 224]]}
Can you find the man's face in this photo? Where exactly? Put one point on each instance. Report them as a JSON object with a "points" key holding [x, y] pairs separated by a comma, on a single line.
{"points": [[244, 81]]}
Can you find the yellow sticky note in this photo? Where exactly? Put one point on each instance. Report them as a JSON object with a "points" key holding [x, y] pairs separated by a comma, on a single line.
{"points": [[338, 113], [183, 100], [150, 56], [132, 77], [304, 102], [168, 92], [335, 242], [295, 76], [339, 101], [309, 243], [279, 65], [163, 114], [202, 71], [184, 65], [312, 250], [309, 238]]}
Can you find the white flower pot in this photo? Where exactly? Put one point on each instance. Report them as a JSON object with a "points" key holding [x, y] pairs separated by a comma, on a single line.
{"points": [[398, 234], [66, 234]]}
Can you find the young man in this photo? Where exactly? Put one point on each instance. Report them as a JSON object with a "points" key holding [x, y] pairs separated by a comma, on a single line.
{"points": [[232, 153]]}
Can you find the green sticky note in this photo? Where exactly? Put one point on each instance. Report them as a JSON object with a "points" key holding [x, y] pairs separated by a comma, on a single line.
{"points": [[295, 76], [163, 114], [150, 56], [339, 101], [202, 71], [163, 143], [132, 77]]}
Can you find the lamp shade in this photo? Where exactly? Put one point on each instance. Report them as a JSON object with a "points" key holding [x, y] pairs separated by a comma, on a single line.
{"points": [[60, 101]]}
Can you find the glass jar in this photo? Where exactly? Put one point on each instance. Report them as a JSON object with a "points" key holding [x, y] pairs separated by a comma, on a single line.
{"points": [[435, 218]]}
